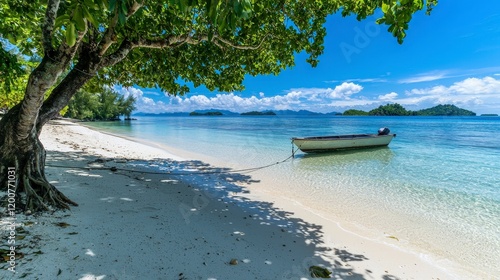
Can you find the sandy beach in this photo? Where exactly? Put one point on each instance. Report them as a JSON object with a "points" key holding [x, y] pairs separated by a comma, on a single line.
{"points": [[188, 221]]}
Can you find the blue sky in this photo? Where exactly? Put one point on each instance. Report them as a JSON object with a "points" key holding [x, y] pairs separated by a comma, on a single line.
{"points": [[450, 57]]}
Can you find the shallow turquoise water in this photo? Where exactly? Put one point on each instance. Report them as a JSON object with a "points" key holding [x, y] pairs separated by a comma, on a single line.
{"points": [[437, 184]]}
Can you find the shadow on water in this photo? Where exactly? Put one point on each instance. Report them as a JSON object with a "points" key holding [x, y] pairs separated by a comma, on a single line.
{"points": [[217, 183], [379, 154]]}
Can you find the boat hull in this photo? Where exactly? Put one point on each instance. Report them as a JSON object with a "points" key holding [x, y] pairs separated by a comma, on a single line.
{"points": [[341, 142]]}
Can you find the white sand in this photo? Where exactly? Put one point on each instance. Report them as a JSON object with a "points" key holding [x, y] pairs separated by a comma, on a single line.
{"points": [[133, 225]]}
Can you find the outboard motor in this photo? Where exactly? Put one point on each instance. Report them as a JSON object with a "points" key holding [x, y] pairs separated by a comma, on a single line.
{"points": [[383, 131]]}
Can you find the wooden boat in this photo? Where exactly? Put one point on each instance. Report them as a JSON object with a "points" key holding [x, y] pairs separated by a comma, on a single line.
{"points": [[342, 142]]}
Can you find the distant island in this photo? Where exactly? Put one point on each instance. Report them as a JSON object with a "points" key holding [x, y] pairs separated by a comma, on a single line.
{"points": [[398, 110], [216, 113], [383, 110], [257, 113], [230, 113]]}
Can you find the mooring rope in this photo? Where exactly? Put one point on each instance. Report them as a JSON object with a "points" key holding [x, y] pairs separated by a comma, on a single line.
{"points": [[114, 168]]}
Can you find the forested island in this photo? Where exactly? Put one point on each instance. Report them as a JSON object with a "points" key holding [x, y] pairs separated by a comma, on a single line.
{"points": [[398, 110], [216, 113], [383, 110], [257, 113], [489, 115]]}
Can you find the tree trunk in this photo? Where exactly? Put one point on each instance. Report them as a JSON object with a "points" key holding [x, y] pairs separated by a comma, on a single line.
{"points": [[27, 159], [20, 149], [62, 94]]}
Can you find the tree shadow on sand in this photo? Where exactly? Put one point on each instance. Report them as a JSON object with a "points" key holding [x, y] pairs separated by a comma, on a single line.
{"points": [[226, 185]]}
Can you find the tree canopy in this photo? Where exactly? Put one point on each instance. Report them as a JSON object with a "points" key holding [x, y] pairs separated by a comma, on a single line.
{"points": [[13, 77], [153, 43], [105, 104], [389, 110], [355, 112], [445, 110], [398, 110], [167, 43]]}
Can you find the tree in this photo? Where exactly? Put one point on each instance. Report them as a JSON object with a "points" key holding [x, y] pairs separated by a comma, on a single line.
{"points": [[354, 112], [13, 76], [154, 43], [105, 104], [389, 110], [445, 110]]}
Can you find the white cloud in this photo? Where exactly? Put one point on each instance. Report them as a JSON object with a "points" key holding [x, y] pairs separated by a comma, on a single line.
{"points": [[387, 97], [342, 91], [137, 93], [345, 90], [152, 93], [426, 77], [294, 99], [477, 94], [487, 85], [469, 86], [361, 80], [143, 104]]}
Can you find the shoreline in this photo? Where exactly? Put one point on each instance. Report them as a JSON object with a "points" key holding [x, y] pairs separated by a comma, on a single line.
{"points": [[338, 219], [274, 241]]}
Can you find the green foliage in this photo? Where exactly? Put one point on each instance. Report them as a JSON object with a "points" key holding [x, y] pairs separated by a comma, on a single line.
{"points": [[257, 113], [398, 110], [445, 110], [215, 113], [354, 112], [228, 39], [13, 76], [103, 105], [489, 115], [10, 67], [20, 24], [390, 110]]}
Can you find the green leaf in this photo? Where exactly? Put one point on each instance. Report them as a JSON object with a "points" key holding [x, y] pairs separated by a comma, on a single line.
{"points": [[385, 8], [104, 4], [419, 4], [91, 4], [71, 34], [121, 18], [212, 12], [238, 8], [79, 20], [60, 21], [124, 8], [112, 5], [89, 16]]}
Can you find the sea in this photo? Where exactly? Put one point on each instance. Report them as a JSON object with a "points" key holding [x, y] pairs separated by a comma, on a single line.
{"points": [[436, 187]]}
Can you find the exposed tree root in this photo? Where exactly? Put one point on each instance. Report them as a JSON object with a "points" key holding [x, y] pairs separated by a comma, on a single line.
{"points": [[40, 194], [25, 163]]}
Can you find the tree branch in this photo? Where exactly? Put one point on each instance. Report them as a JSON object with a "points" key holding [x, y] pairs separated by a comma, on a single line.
{"points": [[240, 47], [67, 53], [174, 41], [170, 42], [110, 60], [108, 38], [48, 24], [135, 7], [127, 45]]}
